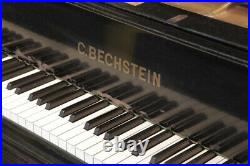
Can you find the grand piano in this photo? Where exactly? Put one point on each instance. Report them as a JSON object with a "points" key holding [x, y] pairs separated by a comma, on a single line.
{"points": [[75, 75]]}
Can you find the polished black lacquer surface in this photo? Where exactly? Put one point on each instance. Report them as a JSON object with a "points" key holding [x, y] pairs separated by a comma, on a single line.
{"points": [[212, 71], [201, 59]]}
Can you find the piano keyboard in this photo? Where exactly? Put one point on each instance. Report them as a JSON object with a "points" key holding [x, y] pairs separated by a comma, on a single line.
{"points": [[79, 121]]}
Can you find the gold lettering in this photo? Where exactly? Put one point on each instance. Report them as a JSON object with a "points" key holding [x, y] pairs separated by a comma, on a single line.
{"points": [[149, 76], [141, 75], [100, 56], [118, 63], [92, 53], [81, 48], [108, 59], [125, 67], [156, 80], [134, 67]]}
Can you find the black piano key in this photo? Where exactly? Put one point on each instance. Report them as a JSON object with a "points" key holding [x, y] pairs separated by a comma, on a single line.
{"points": [[39, 53], [24, 45], [144, 134], [150, 106], [204, 132], [177, 117], [103, 83], [112, 123], [170, 151], [10, 63], [63, 99], [47, 56], [34, 84], [129, 92], [114, 91], [54, 95], [25, 80], [123, 128], [170, 105], [89, 110], [188, 122], [17, 73], [153, 141], [10, 37], [242, 157], [86, 76], [35, 95], [54, 59], [68, 67], [230, 161], [205, 157], [230, 142], [157, 104], [103, 118], [185, 155], [79, 105], [143, 101], [218, 136], [14, 68], [89, 83], [74, 69]]}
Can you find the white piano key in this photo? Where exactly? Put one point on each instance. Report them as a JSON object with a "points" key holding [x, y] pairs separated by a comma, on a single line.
{"points": [[118, 157], [79, 138], [54, 134], [195, 156], [22, 122], [14, 113], [215, 160], [183, 150], [23, 98], [37, 130], [136, 159], [90, 152], [44, 113], [71, 143], [7, 58], [5, 83], [4, 112], [87, 143], [46, 120], [64, 128], [83, 121], [25, 95], [27, 113], [6, 92], [87, 149], [25, 107], [68, 135], [57, 123], [223, 161], [102, 155]]}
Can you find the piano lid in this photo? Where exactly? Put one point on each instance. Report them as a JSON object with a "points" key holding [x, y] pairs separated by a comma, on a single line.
{"points": [[234, 13]]}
